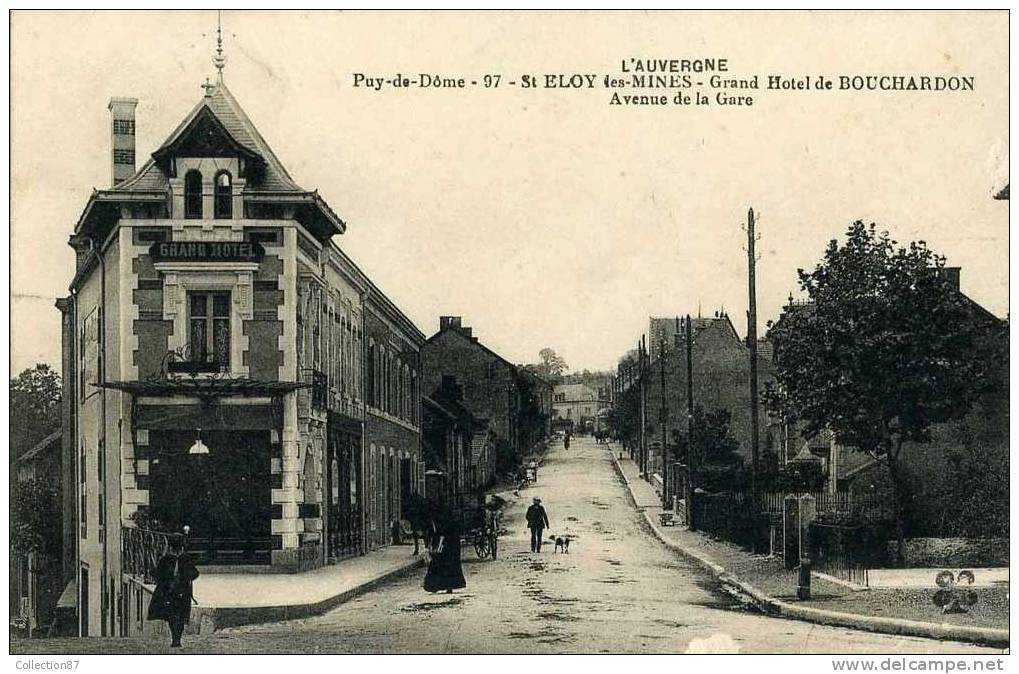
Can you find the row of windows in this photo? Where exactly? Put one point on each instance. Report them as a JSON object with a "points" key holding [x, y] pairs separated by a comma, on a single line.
{"points": [[329, 340], [222, 203], [392, 383]]}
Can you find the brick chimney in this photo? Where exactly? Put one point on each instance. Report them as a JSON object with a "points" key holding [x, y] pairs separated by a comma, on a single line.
{"points": [[951, 274], [446, 322], [122, 138]]}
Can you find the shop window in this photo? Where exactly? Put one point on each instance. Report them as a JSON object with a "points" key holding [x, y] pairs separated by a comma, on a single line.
{"points": [[224, 193], [209, 328], [193, 195]]}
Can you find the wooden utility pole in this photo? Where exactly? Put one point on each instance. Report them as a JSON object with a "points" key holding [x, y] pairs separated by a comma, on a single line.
{"points": [[752, 345], [663, 419], [691, 467], [644, 367]]}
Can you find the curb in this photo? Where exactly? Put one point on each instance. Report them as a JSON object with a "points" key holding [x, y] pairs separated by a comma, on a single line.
{"points": [[944, 631], [213, 619]]}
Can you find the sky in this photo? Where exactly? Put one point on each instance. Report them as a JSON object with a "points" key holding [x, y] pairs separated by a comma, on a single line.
{"points": [[546, 218]]}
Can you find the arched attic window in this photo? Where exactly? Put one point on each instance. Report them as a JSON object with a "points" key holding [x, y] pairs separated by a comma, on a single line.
{"points": [[224, 196], [193, 195]]}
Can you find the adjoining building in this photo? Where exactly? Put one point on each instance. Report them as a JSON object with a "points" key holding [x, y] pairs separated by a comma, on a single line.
{"points": [[493, 389], [457, 446], [229, 369]]}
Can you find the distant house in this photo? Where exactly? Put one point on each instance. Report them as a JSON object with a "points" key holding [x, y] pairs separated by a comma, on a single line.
{"points": [[720, 363], [36, 580], [493, 388], [576, 403], [43, 460]]}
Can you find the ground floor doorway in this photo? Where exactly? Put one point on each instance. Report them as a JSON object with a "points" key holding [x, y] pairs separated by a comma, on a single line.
{"points": [[221, 489], [343, 486]]}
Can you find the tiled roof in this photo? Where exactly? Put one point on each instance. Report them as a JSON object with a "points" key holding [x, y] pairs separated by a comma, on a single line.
{"points": [[149, 178], [221, 103], [41, 447]]}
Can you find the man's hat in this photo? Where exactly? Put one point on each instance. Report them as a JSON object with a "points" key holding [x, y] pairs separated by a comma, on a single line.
{"points": [[537, 500]]}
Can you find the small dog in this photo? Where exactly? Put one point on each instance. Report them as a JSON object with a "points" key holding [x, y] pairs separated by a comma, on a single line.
{"points": [[562, 544]]}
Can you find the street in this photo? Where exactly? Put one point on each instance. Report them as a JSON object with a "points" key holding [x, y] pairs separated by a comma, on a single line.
{"points": [[618, 591]]}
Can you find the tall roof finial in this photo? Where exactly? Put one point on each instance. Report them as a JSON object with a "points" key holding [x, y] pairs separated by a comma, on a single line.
{"points": [[219, 60]]}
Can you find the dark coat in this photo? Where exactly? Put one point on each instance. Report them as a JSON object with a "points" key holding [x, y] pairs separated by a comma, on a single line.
{"points": [[445, 571], [172, 596], [537, 518]]}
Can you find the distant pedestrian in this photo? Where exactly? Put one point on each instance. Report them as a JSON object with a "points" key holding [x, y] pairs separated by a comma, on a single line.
{"points": [[537, 520], [445, 572], [171, 600]]}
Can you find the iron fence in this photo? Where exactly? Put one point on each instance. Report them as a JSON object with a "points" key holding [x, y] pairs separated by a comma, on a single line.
{"points": [[847, 552], [730, 516], [842, 506]]}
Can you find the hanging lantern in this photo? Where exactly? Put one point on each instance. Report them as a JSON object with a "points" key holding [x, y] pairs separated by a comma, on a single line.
{"points": [[199, 447]]}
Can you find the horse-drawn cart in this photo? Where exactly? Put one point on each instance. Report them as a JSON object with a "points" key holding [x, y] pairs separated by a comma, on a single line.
{"points": [[481, 529]]}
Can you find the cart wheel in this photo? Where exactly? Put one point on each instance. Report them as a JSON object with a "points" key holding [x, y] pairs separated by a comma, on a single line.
{"points": [[481, 546]]}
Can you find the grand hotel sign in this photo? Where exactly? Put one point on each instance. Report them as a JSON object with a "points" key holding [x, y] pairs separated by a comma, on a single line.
{"points": [[207, 251]]}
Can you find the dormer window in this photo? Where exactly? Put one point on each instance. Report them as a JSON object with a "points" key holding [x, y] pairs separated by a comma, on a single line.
{"points": [[193, 195], [224, 196]]}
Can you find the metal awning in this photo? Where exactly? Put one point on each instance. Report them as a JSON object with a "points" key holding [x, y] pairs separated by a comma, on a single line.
{"points": [[204, 388]]}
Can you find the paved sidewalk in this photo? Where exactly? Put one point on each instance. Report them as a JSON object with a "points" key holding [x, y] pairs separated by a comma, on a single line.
{"points": [[765, 582], [227, 599]]}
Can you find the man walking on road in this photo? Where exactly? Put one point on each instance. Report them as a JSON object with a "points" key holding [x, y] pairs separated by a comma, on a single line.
{"points": [[537, 520]]}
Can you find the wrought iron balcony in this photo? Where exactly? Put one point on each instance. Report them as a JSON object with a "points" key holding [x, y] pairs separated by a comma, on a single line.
{"points": [[186, 360], [142, 550]]}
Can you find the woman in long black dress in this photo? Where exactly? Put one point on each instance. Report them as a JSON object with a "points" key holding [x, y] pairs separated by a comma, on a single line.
{"points": [[171, 600], [445, 573]]}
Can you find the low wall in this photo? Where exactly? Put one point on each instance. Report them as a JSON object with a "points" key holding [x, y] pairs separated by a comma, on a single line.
{"points": [[952, 552]]}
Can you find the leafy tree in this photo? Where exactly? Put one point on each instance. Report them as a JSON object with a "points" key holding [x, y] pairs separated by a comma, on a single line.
{"points": [[35, 518], [885, 349], [551, 363], [624, 416], [35, 408], [713, 450]]}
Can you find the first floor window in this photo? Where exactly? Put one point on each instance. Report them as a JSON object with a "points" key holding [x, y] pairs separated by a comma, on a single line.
{"points": [[209, 320]]}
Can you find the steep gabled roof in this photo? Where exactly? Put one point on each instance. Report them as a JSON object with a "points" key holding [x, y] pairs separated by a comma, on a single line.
{"points": [[220, 111], [220, 104]]}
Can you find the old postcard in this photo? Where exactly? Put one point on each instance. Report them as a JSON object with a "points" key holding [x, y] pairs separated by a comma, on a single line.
{"points": [[554, 332]]}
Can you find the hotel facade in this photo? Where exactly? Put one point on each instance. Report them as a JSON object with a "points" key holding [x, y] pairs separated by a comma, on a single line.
{"points": [[227, 368]]}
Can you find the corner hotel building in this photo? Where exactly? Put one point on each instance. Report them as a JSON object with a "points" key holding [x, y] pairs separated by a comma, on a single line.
{"points": [[227, 367]]}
